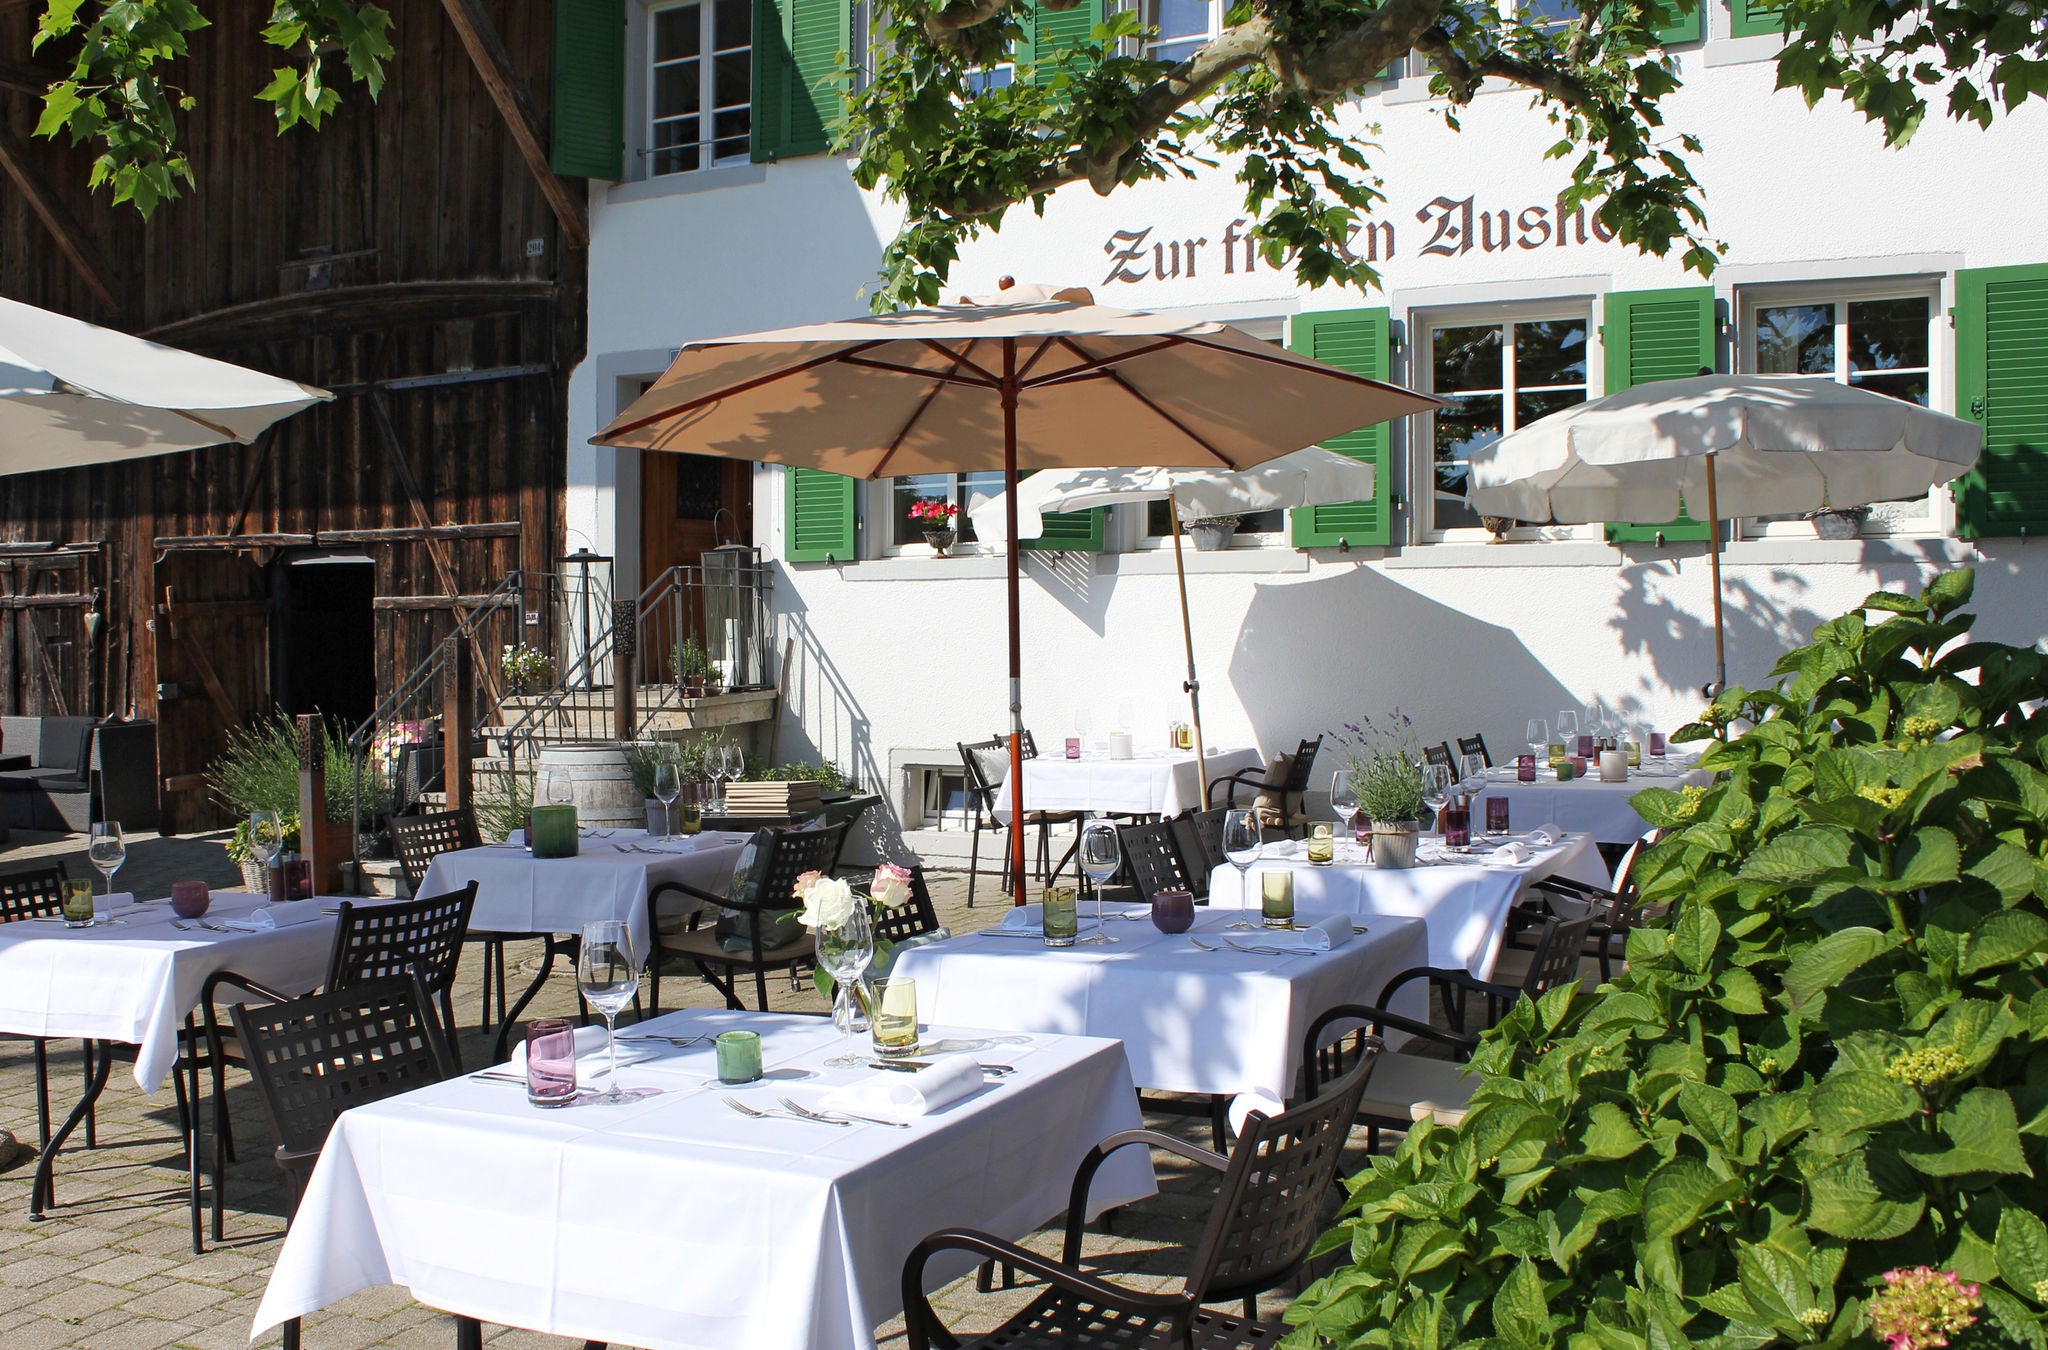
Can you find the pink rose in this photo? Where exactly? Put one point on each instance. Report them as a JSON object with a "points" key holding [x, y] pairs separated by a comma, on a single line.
{"points": [[891, 885], [803, 883]]}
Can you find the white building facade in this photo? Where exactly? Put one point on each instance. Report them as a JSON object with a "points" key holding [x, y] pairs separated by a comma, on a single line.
{"points": [[1922, 272]]}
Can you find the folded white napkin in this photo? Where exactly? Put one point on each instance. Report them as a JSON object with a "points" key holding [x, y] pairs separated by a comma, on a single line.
{"points": [[274, 916], [906, 1096], [1258, 1099], [1030, 920], [107, 904], [589, 1041], [1513, 851], [1284, 848], [1546, 835], [1320, 936]]}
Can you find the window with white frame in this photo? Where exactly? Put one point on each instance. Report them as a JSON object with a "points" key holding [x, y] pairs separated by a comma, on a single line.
{"points": [[905, 533], [1495, 371], [1184, 25], [700, 86], [1874, 335]]}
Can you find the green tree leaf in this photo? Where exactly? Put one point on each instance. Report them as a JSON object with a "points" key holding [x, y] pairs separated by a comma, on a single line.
{"points": [[1521, 1313], [1859, 1099], [1831, 960], [2023, 1252], [1984, 1136]]}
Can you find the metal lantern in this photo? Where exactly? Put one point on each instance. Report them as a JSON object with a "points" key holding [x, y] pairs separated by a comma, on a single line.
{"points": [[736, 614], [585, 611]]}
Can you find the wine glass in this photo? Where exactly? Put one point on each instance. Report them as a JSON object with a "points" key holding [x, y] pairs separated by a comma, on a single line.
{"points": [[1436, 788], [1343, 799], [1537, 733], [107, 850], [558, 790], [1083, 724], [608, 977], [1471, 772], [846, 951], [266, 839], [666, 786], [1123, 716], [734, 761], [1241, 840], [1567, 729], [1101, 853]]}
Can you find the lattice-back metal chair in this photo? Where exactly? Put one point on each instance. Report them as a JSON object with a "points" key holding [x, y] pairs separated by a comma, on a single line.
{"points": [[763, 886], [987, 767], [1440, 754], [1153, 860], [313, 1058], [38, 893], [1290, 785], [1266, 1216], [1551, 959], [420, 937], [915, 917], [1615, 910], [416, 840], [1475, 744], [1200, 835]]}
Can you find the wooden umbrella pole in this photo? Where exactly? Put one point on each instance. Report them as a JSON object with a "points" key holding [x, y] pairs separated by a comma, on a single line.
{"points": [[1009, 390], [1187, 633], [1714, 565]]}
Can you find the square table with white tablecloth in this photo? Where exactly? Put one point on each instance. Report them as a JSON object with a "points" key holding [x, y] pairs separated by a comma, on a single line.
{"points": [[1586, 804], [675, 1223], [1218, 1022], [609, 878], [134, 981], [1149, 783], [1463, 898]]}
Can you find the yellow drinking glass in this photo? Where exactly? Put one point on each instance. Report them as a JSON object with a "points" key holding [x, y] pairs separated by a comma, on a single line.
{"points": [[78, 902], [1557, 755], [1276, 898], [895, 1021], [1321, 847]]}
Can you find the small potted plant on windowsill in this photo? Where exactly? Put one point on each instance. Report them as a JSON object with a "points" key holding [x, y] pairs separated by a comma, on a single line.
{"points": [[1839, 522], [1212, 533], [935, 516], [695, 675]]}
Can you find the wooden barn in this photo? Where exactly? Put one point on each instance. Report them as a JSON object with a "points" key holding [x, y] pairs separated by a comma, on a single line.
{"points": [[418, 257]]}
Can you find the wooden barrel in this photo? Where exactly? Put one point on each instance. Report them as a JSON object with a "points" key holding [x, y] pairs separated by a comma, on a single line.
{"points": [[601, 784]]}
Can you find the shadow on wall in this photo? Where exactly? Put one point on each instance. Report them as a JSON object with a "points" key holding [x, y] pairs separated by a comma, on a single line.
{"points": [[821, 719], [1070, 577], [1314, 655]]}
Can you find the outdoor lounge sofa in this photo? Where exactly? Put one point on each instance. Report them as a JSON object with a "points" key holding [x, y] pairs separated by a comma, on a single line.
{"points": [[62, 773]]}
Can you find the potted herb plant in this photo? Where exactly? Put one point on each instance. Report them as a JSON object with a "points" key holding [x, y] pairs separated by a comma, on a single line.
{"points": [[935, 516], [1212, 533], [1385, 765], [259, 771], [527, 669], [691, 662]]}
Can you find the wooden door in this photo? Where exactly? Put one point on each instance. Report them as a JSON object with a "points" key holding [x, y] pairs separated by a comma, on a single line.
{"points": [[212, 671], [681, 497]]}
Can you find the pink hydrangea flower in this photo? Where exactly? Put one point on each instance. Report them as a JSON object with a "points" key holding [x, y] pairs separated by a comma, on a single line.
{"points": [[1919, 1309]]}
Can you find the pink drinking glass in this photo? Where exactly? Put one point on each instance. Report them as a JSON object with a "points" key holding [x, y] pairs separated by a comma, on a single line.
{"points": [[1657, 746], [551, 1061]]}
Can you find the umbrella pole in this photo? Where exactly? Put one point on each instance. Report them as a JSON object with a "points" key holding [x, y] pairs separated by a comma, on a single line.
{"points": [[1714, 566], [1187, 633], [1016, 631]]}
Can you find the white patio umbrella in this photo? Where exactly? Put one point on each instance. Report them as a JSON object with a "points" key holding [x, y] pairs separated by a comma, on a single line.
{"points": [[73, 393], [1720, 446], [1311, 477]]}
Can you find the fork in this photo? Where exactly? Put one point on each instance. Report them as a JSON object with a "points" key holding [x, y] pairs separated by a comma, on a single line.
{"points": [[758, 1114], [829, 1117], [201, 923]]}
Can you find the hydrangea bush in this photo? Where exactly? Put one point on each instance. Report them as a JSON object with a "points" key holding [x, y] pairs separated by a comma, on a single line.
{"points": [[1826, 1071]]}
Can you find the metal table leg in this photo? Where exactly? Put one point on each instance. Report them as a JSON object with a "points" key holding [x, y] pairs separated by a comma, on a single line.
{"points": [[554, 944], [41, 1193]]}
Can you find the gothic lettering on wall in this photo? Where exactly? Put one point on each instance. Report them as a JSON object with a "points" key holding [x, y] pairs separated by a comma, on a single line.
{"points": [[1449, 228]]}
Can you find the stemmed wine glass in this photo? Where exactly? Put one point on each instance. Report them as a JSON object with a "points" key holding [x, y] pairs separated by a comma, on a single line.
{"points": [[1567, 728], [1083, 723], [1241, 839], [1101, 853], [1472, 772], [1344, 799], [732, 762], [666, 787], [107, 850], [1538, 735], [608, 977], [266, 840], [847, 950], [1436, 789]]}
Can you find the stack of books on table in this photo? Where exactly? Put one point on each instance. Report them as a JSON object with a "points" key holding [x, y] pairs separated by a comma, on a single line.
{"points": [[771, 799]]}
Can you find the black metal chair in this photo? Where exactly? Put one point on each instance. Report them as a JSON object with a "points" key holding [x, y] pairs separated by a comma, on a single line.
{"points": [[1200, 835], [1553, 959], [1614, 911], [38, 893], [913, 918], [1440, 754], [987, 767], [1291, 785], [417, 839], [1475, 744], [313, 1058], [1266, 1216], [1153, 859], [421, 938], [763, 887]]}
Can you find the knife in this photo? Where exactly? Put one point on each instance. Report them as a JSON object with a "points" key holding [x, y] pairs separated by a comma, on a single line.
{"points": [[913, 1065]]}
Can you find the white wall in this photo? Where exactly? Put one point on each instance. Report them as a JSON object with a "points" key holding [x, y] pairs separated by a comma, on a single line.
{"points": [[910, 651]]}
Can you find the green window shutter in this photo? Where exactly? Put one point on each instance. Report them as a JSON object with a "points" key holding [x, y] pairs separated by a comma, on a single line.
{"points": [[2002, 384], [1747, 18], [818, 517], [1048, 32], [588, 137], [1683, 28], [1355, 340], [800, 48], [1658, 335], [1071, 531]]}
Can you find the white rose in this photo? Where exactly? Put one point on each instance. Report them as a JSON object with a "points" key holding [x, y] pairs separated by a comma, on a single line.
{"points": [[827, 902], [890, 888]]}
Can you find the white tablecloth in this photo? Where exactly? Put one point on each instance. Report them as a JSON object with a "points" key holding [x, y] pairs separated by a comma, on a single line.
{"points": [[1463, 900], [1584, 804], [607, 879], [675, 1222], [134, 981], [1151, 782], [1190, 1020]]}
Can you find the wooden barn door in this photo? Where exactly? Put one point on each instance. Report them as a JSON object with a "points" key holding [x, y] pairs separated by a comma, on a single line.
{"points": [[212, 672]]}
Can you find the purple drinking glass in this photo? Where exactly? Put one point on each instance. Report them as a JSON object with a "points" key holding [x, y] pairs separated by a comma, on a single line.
{"points": [[551, 1061], [1496, 815], [1585, 746], [1457, 826], [1657, 745], [1525, 768], [1073, 747], [1173, 911]]}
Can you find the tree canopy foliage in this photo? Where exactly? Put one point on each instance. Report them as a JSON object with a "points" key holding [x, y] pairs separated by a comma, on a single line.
{"points": [[1267, 97]]}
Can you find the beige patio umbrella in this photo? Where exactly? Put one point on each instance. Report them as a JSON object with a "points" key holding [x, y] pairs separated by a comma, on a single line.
{"points": [[1036, 379]]}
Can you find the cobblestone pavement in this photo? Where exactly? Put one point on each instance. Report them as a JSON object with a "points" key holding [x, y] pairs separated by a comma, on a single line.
{"points": [[112, 1268]]}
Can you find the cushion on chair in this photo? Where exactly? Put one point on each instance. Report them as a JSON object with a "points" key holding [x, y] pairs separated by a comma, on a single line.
{"points": [[1409, 1087], [735, 927], [21, 736], [1271, 804], [65, 743]]}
